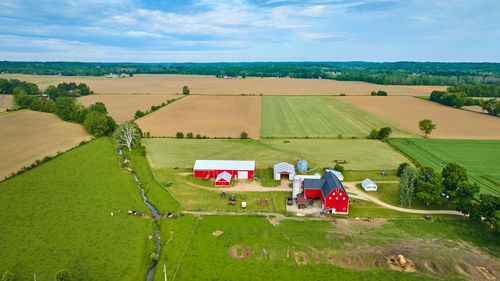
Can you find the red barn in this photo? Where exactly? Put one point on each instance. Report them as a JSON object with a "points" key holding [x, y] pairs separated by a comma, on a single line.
{"points": [[331, 192], [212, 168], [223, 178]]}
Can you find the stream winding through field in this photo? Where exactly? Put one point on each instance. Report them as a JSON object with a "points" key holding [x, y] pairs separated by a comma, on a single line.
{"points": [[151, 271]]}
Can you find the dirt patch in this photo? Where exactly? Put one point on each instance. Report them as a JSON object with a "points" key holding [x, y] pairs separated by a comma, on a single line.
{"points": [[213, 116], [267, 254], [450, 122], [396, 264], [330, 258], [217, 233], [301, 258], [239, 252], [5, 102], [485, 273]]}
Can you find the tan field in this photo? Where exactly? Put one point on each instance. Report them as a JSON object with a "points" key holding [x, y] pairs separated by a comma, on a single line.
{"points": [[27, 136], [166, 84], [451, 123], [221, 116], [5, 102], [123, 107]]}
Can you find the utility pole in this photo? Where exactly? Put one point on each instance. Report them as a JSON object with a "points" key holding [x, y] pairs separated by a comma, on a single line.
{"points": [[165, 271]]}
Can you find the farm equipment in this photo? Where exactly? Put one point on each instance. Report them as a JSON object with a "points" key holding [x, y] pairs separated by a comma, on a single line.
{"points": [[383, 173], [263, 202], [232, 200], [223, 194], [244, 205], [289, 201]]}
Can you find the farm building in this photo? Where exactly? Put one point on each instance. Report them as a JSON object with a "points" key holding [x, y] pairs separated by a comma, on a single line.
{"points": [[212, 168], [284, 168], [369, 185], [336, 173], [223, 178], [298, 183], [330, 190], [302, 166]]}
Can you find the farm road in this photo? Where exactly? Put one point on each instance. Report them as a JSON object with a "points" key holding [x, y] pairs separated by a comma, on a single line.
{"points": [[244, 187], [351, 187]]}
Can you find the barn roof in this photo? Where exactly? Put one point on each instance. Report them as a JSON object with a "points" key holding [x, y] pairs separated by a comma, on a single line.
{"points": [[284, 167], [224, 165], [327, 183], [225, 176]]}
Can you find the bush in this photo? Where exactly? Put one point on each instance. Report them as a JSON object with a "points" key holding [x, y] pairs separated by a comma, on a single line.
{"points": [[401, 167], [63, 275], [99, 124], [198, 136], [338, 168], [374, 134], [8, 276], [244, 135], [139, 114], [189, 135], [185, 90], [384, 133], [179, 135]]}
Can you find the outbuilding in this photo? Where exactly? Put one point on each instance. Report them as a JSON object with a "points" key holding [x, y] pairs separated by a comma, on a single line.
{"points": [[223, 178], [336, 173], [212, 168], [284, 168], [369, 185], [329, 189]]}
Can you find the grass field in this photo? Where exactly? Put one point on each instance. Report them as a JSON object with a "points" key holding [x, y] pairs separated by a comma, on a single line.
{"points": [[123, 107], [480, 157], [451, 123], [165, 84], [361, 154], [221, 116], [320, 117], [346, 249], [5, 102], [27, 136], [57, 216]]}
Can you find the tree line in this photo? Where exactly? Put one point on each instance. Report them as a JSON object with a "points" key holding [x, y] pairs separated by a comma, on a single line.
{"points": [[458, 96], [450, 187]]}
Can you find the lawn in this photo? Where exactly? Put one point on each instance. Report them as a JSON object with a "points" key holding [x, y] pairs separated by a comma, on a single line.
{"points": [[315, 116], [360, 154], [480, 157], [345, 250], [57, 216]]}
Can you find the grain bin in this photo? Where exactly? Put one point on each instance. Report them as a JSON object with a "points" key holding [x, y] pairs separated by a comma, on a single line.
{"points": [[302, 166]]}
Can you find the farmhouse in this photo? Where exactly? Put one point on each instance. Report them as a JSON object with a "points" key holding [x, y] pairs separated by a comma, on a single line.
{"points": [[330, 190], [223, 178], [369, 185], [212, 168], [284, 168]]}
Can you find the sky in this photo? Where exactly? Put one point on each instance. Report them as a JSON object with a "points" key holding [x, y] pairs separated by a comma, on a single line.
{"points": [[261, 30]]}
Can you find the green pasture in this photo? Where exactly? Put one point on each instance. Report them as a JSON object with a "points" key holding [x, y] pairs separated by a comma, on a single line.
{"points": [[315, 116], [480, 157], [360, 154], [57, 216], [357, 249]]}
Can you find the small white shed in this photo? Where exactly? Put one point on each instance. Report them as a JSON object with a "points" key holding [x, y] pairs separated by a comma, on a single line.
{"points": [[284, 168], [369, 185]]}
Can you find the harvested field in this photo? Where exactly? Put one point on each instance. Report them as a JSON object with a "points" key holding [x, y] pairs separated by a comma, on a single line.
{"points": [[451, 123], [220, 116], [165, 84], [5, 102], [123, 107], [30, 135]]}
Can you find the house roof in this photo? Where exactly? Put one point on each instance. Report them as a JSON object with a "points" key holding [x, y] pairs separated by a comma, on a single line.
{"points": [[327, 183], [284, 167], [368, 182], [224, 165], [225, 176]]}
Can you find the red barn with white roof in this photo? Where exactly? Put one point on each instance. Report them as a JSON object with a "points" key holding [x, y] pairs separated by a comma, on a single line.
{"points": [[212, 168]]}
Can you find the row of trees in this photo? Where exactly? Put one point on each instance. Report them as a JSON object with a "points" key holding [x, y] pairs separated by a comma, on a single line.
{"points": [[459, 99], [382, 134], [180, 135], [61, 275], [450, 187], [68, 90], [480, 90], [17, 87], [379, 93]]}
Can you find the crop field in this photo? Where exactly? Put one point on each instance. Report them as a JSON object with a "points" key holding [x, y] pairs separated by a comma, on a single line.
{"points": [[320, 117], [28, 136], [451, 123], [5, 102], [167, 84], [123, 107], [57, 216], [480, 157], [251, 248], [221, 116], [360, 154]]}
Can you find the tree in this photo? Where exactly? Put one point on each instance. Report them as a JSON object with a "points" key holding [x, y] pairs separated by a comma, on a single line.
{"points": [[36, 104], [429, 187], [8, 276], [179, 135], [198, 136], [129, 133], [338, 168], [401, 167], [426, 126], [49, 106], [453, 175], [99, 107], [384, 133], [185, 90], [407, 186], [374, 134], [139, 114], [99, 124], [464, 200], [244, 135], [23, 100], [63, 275], [189, 135], [497, 107]]}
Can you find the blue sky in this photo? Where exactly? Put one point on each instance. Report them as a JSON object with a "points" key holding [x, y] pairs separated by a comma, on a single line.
{"points": [[237, 30]]}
